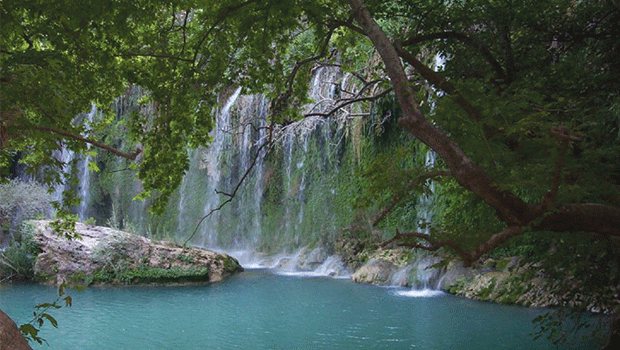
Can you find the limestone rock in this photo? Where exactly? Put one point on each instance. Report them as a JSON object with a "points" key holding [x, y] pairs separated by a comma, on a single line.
{"points": [[105, 255], [455, 274], [309, 260], [375, 272], [10, 336]]}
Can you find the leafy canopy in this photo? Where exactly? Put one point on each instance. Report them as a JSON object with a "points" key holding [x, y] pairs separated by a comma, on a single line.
{"points": [[510, 82], [58, 57]]}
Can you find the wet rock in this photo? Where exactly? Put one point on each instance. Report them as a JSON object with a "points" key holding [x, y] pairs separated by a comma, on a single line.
{"points": [[455, 274], [311, 260]]}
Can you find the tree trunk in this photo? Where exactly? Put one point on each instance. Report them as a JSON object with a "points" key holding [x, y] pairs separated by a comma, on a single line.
{"points": [[10, 336]]}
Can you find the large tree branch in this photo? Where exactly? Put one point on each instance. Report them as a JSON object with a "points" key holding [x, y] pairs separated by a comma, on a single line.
{"points": [[510, 208], [518, 215], [131, 156], [581, 217]]}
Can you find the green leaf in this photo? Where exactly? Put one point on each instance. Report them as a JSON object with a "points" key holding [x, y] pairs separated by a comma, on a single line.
{"points": [[29, 330], [51, 319]]}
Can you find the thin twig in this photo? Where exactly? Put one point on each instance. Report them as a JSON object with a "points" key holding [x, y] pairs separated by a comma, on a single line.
{"points": [[231, 195]]}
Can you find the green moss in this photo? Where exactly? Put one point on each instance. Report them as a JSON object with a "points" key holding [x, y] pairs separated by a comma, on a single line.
{"points": [[141, 274], [490, 263], [508, 298], [160, 275], [231, 265], [486, 291], [43, 278], [502, 264], [457, 286]]}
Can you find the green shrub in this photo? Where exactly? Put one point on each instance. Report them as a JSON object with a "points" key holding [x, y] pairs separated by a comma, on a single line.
{"points": [[17, 260], [21, 201]]}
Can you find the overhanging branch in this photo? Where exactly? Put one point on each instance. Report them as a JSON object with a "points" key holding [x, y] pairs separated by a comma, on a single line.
{"points": [[131, 156], [345, 102], [430, 243]]}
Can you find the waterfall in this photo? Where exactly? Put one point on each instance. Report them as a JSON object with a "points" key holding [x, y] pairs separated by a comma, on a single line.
{"points": [[425, 201], [84, 172], [285, 199], [290, 198]]}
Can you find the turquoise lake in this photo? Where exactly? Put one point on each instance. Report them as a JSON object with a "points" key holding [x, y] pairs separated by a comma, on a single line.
{"points": [[258, 309]]}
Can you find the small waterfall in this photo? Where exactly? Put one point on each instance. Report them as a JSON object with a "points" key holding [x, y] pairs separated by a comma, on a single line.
{"points": [[423, 279], [425, 202], [65, 156], [84, 172]]}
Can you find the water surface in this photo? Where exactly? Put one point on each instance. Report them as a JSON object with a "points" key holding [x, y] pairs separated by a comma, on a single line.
{"points": [[261, 310]]}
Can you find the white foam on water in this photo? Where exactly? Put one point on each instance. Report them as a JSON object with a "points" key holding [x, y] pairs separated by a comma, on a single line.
{"points": [[419, 293]]}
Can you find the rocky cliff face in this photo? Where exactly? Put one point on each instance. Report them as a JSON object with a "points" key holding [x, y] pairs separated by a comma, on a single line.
{"points": [[106, 256]]}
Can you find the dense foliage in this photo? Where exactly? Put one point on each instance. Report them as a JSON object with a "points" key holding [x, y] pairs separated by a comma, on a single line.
{"points": [[59, 57], [520, 100], [17, 259]]}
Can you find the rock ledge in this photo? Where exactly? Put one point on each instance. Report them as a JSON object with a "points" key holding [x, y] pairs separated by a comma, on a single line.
{"points": [[107, 256]]}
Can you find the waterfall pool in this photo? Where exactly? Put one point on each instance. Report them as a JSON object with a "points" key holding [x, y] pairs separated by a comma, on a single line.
{"points": [[258, 309]]}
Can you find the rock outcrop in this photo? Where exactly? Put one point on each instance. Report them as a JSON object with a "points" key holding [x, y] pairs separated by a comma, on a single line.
{"points": [[10, 336], [106, 256], [374, 272]]}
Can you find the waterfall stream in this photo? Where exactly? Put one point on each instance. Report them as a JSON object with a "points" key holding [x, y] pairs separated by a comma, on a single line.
{"points": [[290, 198]]}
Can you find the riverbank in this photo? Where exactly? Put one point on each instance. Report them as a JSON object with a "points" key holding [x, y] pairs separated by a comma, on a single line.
{"points": [[506, 280]]}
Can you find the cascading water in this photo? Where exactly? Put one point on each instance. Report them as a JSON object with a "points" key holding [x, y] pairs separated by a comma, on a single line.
{"points": [[295, 194], [425, 202], [279, 198], [288, 193], [84, 172]]}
